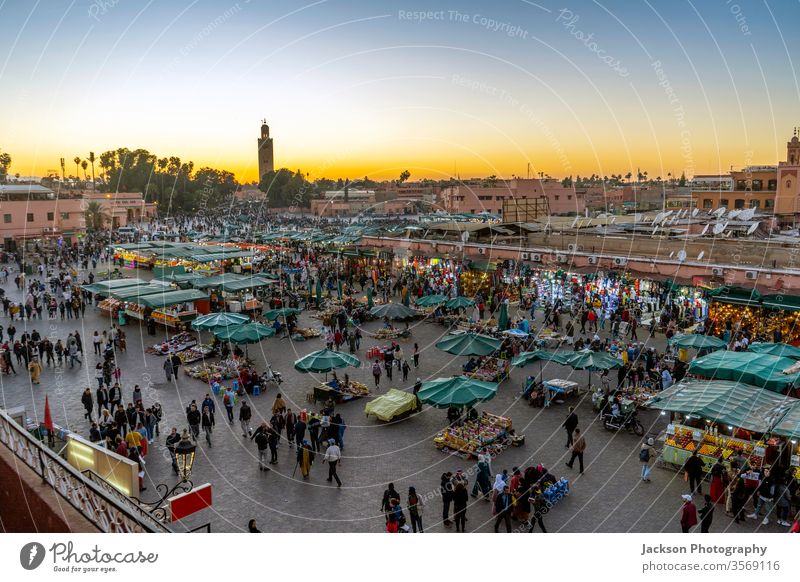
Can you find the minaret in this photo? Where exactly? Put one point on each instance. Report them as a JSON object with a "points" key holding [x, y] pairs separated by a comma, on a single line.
{"points": [[266, 163]]}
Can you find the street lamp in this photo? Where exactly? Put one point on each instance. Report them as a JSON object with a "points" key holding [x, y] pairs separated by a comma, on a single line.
{"points": [[184, 456]]}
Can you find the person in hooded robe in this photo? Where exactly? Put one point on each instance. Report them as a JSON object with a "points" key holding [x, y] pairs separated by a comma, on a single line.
{"points": [[305, 458]]}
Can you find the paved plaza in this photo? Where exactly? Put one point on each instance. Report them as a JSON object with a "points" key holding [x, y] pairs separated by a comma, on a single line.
{"points": [[609, 497]]}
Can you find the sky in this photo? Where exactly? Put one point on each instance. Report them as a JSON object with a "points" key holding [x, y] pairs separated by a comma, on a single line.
{"points": [[352, 88]]}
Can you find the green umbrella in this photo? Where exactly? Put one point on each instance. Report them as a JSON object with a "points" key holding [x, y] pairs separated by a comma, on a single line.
{"points": [[459, 303], [370, 302], [246, 333], [457, 391], [319, 292], [502, 319], [218, 320], [526, 358], [782, 350], [393, 311], [325, 361], [469, 344], [699, 342], [589, 360], [430, 300], [284, 312]]}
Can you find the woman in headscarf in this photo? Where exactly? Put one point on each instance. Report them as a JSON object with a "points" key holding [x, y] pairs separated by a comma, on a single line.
{"points": [[35, 369], [497, 488]]}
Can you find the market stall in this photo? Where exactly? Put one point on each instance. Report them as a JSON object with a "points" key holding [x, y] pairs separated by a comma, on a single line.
{"points": [[720, 419], [752, 368], [177, 343], [491, 369], [170, 308], [487, 434], [217, 372], [339, 391]]}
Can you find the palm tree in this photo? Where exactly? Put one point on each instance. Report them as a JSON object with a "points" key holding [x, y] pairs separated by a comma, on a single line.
{"points": [[91, 160], [96, 216], [84, 165], [63, 167], [77, 161]]}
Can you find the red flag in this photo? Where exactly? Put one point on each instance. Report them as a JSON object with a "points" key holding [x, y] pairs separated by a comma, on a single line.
{"points": [[48, 418]]}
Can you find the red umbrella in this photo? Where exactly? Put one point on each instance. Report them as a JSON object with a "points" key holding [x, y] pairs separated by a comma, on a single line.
{"points": [[48, 418]]}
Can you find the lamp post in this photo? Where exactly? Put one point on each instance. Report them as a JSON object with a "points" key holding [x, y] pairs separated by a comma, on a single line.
{"points": [[184, 459]]}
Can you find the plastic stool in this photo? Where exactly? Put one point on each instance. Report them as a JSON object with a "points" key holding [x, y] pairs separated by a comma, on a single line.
{"points": [[256, 390]]}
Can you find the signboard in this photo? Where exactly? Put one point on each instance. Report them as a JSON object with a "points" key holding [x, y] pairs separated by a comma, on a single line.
{"points": [[186, 504]]}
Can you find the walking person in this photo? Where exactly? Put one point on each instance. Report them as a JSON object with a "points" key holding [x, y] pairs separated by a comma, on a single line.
{"points": [[688, 514], [194, 419], [578, 448], [168, 369], [446, 490], [503, 505], [228, 400], [706, 514], [262, 442], [207, 423], [539, 507], [305, 458], [460, 500], [415, 507], [693, 468], [646, 453], [245, 414], [172, 440], [88, 403], [569, 425], [416, 355], [376, 374], [333, 455]]}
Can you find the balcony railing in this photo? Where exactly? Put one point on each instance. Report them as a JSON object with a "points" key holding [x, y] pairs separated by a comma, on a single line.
{"points": [[109, 512]]}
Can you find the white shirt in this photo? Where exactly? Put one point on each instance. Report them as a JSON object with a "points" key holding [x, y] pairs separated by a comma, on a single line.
{"points": [[333, 453]]}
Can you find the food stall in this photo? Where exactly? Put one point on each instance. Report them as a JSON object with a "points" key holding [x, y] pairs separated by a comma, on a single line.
{"points": [[342, 393], [491, 369], [720, 418], [558, 388], [177, 343], [171, 308], [134, 255], [489, 433], [222, 370]]}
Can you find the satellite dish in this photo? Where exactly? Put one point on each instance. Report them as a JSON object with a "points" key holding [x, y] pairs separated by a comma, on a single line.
{"points": [[613, 218], [574, 222], [672, 253], [637, 217], [655, 230], [720, 211], [705, 230], [753, 228], [747, 214], [681, 255], [719, 228], [695, 212], [668, 213], [734, 213], [658, 218], [700, 256]]}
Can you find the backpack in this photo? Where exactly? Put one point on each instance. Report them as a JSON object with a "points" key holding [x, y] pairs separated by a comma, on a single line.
{"points": [[644, 455], [226, 399]]}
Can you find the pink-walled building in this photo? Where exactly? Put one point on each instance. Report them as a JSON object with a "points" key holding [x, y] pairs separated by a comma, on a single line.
{"points": [[489, 198]]}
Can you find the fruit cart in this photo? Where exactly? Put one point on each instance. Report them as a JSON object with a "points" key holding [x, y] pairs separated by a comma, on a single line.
{"points": [[489, 433]]}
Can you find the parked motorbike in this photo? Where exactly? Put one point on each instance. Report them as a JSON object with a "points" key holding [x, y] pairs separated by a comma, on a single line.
{"points": [[627, 422]]}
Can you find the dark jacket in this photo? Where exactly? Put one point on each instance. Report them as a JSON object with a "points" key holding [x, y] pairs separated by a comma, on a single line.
{"points": [[694, 465], [503, 503], [193, 417], [571, 422], [245, 413]]}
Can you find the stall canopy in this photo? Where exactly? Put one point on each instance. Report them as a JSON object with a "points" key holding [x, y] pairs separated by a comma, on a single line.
{"points": [[736, 295], [730, 403], [782, 350], [456, 391], [394, 403], [246, 283], [104, 287], [785, 302], [210, 257], [217, 280], [133, 293], [698, 342], [167, 298], [789, 424], [760, 370]]}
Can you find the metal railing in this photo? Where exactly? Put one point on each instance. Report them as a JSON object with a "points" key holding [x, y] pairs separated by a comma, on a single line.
{"points": [[109, 512]]}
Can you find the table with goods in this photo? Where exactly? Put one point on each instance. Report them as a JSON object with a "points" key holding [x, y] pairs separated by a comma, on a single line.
{"points": [[218, 371], [681, 441], [558, 388], [491, 370], [177, 343], [489, 433], [109, 305], [344, 393], [390, 333]]}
